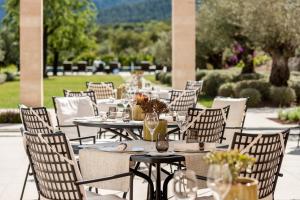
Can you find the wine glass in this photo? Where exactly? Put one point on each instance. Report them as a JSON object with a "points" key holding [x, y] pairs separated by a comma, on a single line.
{"points": [[151, 121], [181, 121], [125, 100], [185, 185], [219, 180]]}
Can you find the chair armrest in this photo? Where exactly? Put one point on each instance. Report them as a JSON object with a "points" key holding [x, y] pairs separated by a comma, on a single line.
{"points": [[104, 179], [83, 138], [203, 178]]}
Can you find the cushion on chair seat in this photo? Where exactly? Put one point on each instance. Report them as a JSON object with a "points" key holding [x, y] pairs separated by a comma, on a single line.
{"points": [[95, 196]]}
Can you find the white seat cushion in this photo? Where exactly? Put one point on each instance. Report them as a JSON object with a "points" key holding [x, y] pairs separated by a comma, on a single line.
{"points": [[69, 108], [94, 196], [235, 115]]}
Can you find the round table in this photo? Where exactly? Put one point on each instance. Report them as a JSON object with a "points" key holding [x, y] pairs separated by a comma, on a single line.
{"points": [[117, 127]]}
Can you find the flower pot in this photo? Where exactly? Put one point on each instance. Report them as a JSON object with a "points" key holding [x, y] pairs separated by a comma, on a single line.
{"points": [[137, 113], [244, 189], [120, 93], [160, 129]]}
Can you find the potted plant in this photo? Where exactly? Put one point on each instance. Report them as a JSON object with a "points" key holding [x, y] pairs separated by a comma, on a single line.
{"points": [[242, 188], [158, 107], [137, 112]]}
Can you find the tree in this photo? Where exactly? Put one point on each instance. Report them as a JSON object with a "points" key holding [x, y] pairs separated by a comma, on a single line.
{"points": [[273, 25], [68, 26], [162, 50], [218, 28]]}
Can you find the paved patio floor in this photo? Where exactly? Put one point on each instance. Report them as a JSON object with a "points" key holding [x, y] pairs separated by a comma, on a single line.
{"points": [[13, 163]]}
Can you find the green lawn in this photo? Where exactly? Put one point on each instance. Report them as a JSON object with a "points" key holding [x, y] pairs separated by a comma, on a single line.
{"points": [[53, 86], [206, 101], [152, 79]]}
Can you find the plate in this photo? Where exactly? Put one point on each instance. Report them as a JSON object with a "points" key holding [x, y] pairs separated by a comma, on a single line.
{"points": [[156, 153]]}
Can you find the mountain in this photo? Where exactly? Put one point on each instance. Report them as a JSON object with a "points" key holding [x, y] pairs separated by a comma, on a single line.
{"points": [[134, 11], [119, 11]]}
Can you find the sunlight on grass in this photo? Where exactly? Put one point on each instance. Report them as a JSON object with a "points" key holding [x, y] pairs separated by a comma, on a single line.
{"points": [[206, 101], [53, 86]]}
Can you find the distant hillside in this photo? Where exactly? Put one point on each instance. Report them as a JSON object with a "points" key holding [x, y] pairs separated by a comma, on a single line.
{"points": [[136, 11], [119, 11]]}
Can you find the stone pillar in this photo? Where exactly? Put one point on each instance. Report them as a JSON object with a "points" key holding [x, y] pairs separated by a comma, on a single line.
{"points": [[31, 52], [183, 42]]}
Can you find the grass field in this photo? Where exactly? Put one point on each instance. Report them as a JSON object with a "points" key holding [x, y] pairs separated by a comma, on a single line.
{"points": [[53, 86]]}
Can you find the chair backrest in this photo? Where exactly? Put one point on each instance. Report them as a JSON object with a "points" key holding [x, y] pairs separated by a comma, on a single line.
{"points": [[236, 115], [32, 123], [182, 100], [51, 161], [103, 90], [91, 94], [268, 151], [68, 108], [210, 125], [194, 85]]}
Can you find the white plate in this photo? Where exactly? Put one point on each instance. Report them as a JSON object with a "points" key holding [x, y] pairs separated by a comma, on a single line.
{"points": [[156, 153]]}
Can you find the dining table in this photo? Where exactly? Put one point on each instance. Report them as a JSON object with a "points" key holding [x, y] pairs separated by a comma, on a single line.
{"points": [[144, 152]]}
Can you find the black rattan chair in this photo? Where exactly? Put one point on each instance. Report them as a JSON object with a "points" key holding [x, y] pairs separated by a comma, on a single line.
{"points": [[269, 152], [194, 85], [209, 127], [103, 90], [182, 102], [56, 171], [91, 94]]}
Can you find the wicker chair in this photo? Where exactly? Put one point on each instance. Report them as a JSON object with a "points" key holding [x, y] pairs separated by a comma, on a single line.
{"points": [[194, 85], [103, 90], [209, 127], [269, 152], [182, 102], [91, 94], [56, 171]]}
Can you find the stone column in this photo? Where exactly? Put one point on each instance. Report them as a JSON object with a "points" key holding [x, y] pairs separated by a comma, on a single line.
{"points": [[183, 42], [31, 52]]}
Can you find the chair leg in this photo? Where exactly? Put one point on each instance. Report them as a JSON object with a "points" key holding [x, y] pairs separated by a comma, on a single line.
{"points": [[148, 190], [25, 182]]}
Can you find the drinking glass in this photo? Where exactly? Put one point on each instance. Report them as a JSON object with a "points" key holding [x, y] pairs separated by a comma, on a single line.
{"points": [[181, 121], [126, 114], [125, 100], [219, 180], [151, 121], [185, 185]]}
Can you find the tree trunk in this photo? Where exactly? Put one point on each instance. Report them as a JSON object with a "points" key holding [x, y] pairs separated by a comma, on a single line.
{"points": [[55, 62], [247, 57], [45, 48], [280, 72], [215, 60]]}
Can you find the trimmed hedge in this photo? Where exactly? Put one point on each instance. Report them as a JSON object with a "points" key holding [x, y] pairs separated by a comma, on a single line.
{"points": [[261, 85], [227, 90], [11, 117], [282, 96], [213, 81], [253, 95]]}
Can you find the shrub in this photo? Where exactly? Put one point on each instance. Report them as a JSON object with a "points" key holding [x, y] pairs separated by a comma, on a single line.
{"points": [[2, 78], [10, 76], [296, 86], [292, 115], [212, 82], [253, 95], [201, 74], [261, 85], [167, 79], [10, 117], [250, 76], [282, 96], [226, 90], [161, 76]]}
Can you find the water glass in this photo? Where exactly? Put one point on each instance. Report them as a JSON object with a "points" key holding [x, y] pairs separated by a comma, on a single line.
{"points": [[185, 185], [219, 180], [126, 116], [151, 121]]}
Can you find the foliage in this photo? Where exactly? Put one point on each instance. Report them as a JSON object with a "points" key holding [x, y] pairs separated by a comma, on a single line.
{"points": [[227, 90], [236, 161], [261, 85], [67, 29], [282, 96], [200, 74], [9, 116], [154, 106], [162, 50], [167, 79], [296, 86], [253, 95], [212, 82], [246, 76], [261, 59], [291, 115]]}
